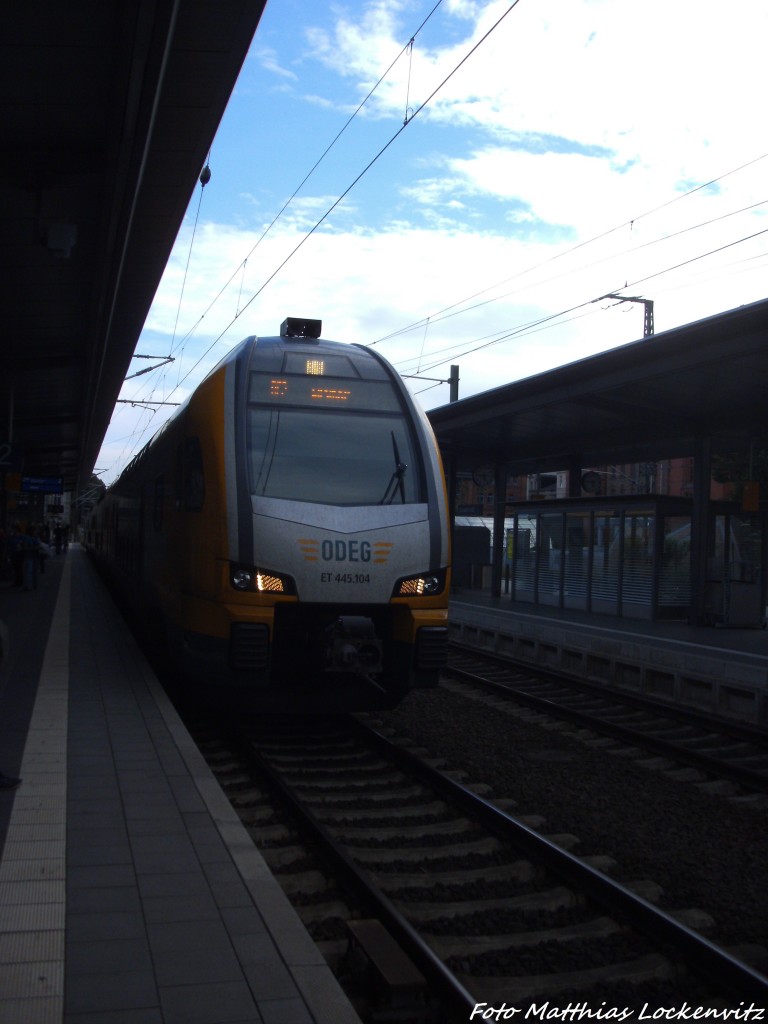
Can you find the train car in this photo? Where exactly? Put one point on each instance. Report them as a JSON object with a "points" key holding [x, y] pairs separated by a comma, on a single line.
{"points": [[286, 532]]}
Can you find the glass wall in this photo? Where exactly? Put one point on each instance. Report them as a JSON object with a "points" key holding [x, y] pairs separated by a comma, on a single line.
{"points": [[675, 567], [521, 557], [606, 559], [577, 559], [550, 561], [638, 565], [632, 560], [734, 590]]}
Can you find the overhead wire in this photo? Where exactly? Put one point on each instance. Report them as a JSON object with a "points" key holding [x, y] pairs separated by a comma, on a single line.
{"points": [[435, 317], [442, 314], [408, 46], [241, 266], [352, 184], [506, 335], [604, 259], [460, 349], [535, 327]]}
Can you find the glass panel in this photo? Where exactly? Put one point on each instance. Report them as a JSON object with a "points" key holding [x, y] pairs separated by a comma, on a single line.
{"points": [[719, 555], [524, 557], [746, 548], [331, 458], [637, 577], [675, 569], [550, 558], [606, 551], [576, 559]]}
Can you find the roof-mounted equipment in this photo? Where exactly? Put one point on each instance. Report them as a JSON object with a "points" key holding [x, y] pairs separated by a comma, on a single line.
{"points": [[296, 327]]}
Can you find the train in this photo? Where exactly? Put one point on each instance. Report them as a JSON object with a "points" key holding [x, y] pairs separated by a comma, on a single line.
{"points": [[285, 534]]}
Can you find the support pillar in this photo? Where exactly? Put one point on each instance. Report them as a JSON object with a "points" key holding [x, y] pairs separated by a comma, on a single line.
{"points": [[449, 467], [702, 475], [499, 511]]}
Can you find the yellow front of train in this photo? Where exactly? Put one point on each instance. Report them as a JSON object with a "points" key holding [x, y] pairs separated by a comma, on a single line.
{"points": [[314, 544]]}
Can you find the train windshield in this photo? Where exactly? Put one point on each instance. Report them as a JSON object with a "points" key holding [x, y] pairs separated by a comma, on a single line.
{"points": [[333, 442]]}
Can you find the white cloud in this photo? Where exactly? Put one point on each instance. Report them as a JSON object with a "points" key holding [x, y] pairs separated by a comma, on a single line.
{"points": [[270, 61], [542, 175]]}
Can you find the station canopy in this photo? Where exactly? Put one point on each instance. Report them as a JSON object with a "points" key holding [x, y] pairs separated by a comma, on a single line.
{"points": [[649, 400], [109, 112]]}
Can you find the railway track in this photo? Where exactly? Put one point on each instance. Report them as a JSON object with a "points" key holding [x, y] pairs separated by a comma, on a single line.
{"points": [[487, 909], [713, 748]]}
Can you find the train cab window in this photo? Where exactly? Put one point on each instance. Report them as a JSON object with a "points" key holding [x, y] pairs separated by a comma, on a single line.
{"points": [[332, 459], [320, 436]]}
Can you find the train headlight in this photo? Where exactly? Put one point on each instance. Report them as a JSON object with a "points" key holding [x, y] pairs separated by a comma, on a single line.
{"points": [[432, 585], [260, 581], [424, 584], [241, 579]]}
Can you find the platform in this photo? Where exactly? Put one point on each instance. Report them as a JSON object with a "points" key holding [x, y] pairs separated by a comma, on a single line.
{"points": [[722, 671], [130, 893]]}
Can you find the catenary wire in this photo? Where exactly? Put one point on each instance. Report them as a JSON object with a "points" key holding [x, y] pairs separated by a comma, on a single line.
{"points": [[311, 171], [460, 349], [605, 259], [349, 188], [434, 317], [631, 284], [676, 199], [225, 286]]}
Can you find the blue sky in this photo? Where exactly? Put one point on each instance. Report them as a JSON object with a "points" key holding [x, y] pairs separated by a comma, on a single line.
{"points": [[554, 151]]}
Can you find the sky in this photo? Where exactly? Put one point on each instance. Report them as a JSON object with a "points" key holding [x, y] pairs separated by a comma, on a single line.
{"points": [[461, 183]]}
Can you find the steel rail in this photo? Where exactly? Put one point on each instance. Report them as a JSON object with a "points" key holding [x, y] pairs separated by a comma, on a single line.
{"points": [[458, 1000], [740, 774], [734, 729], [701, 956]]}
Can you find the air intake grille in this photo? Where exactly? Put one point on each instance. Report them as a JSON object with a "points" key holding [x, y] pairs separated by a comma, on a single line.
{"points": [[431, 648], [249, 646]]}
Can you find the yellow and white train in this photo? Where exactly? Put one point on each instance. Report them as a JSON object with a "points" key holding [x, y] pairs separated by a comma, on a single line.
{"points": [[286, 531]]}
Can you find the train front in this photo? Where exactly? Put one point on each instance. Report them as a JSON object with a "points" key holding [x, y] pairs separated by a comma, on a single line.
{"points": [[338, 527]]}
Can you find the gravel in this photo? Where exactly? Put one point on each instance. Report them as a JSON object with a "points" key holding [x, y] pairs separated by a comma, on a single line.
{"points": [[705, 850]]}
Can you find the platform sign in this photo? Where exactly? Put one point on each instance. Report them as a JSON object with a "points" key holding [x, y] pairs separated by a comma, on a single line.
{"points": [[42, 484]]}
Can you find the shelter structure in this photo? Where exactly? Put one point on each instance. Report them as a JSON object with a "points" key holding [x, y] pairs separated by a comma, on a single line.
{"points": [[631, 483], [110, 110]]}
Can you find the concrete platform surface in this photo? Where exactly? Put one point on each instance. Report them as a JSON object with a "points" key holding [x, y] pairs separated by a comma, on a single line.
{"points": [[130, 893]]}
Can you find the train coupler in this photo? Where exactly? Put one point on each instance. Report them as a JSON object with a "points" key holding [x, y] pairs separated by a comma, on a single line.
{"points": [[352, 645]]}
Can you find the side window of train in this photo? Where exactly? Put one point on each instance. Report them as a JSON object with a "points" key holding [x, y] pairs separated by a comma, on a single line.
{"points": [[178, 477], [157, 502], [194, 481]]}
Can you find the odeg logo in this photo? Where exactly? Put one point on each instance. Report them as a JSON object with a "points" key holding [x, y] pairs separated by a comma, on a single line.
{"points": [[345, 551], [341, 550]]}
